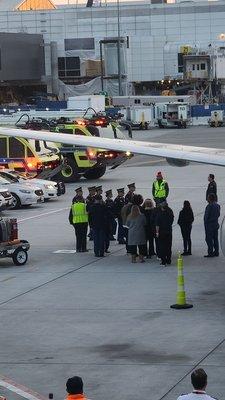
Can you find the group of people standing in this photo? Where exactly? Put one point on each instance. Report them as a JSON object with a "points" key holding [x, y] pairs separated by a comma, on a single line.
{"points": [[144, 227]]}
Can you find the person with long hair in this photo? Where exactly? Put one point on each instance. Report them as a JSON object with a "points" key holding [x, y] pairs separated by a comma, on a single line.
{"points": [[185, 220], [148, 208], [136, 223]]}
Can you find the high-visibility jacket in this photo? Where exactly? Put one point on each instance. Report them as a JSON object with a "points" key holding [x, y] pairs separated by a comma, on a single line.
{"points": [[79, 213], [159, 189]]}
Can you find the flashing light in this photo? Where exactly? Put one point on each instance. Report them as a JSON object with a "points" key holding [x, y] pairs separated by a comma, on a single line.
{"points": [[80, 122], [4, 109], [47, 109], [128, 153]]}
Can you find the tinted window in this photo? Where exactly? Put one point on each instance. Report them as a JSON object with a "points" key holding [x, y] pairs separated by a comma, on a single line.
{"points": [[16, 148], [80, 44], [3, 147]]}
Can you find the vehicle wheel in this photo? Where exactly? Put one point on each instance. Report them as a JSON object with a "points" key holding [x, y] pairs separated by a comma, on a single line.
{"points": [[16, 203], [69, 171], [95, 173], [19, 256]]}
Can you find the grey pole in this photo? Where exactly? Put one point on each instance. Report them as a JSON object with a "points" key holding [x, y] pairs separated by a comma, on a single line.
{"points": [[54, 68], [118, 49]]}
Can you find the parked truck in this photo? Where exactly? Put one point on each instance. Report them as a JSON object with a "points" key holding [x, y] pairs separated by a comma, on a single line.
{"points": [[172, 115]]}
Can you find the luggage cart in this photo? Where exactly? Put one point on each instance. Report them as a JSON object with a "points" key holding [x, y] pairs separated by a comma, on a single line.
{"points": [[17, 251]]}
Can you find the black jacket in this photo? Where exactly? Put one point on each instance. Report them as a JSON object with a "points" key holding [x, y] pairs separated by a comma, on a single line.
{"points": [[99, 217], [118, 205], [186, 217], [149, 220], [164, 220], [212, 188]]}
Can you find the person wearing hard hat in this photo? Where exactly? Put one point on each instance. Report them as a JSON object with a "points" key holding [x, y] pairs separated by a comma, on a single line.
{"points": [[130, 193], [160, 189]]}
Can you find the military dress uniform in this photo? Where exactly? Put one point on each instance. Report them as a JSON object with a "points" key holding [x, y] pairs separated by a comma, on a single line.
{"points": [[130, 194], [89, 202], [110, 205], [118, 205]]}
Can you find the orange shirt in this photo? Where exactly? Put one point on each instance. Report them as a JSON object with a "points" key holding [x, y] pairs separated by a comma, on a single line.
{"points": [[76, 397]]}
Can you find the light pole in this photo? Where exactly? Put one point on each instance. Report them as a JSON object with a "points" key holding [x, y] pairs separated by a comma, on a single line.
{"points": [[118, 50]]}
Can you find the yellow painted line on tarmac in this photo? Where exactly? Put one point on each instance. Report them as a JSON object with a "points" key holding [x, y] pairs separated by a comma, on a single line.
{"points": [[43, 214]]}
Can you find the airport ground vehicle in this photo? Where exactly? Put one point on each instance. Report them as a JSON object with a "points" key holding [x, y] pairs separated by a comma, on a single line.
{"points": [[49, 188], [78, 160], [170, 115], [22, 194], [5, 198], [217, 119]]}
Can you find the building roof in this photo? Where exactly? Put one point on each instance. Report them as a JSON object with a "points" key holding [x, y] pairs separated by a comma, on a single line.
{"points": [[22, 5]]}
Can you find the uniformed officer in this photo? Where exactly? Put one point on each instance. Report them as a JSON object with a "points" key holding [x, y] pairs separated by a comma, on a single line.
{"points": [[99, 191], [211, 216], [130, 193], [118, 205], [78, 217], [110, 205], [99, 222], [79, 193], [89, 202], [212, 187], [199, 383], [160, 189]]}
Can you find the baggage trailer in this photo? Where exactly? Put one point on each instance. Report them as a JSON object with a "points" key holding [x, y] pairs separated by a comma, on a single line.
{"points": [[17, 250], [172, 115]]}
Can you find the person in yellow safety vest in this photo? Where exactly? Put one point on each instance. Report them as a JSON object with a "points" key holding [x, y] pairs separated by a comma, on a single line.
{"points": [[78, 217], [160, 189]]}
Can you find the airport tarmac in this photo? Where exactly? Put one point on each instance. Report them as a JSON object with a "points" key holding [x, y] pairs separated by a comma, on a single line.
{"points": [[107, 320]]}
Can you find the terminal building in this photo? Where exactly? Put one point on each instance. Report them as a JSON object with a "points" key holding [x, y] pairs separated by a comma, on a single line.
{"points": [[163, 45]]}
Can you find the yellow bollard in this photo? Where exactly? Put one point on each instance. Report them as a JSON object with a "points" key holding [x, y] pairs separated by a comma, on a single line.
{"points": [[181, 295]]}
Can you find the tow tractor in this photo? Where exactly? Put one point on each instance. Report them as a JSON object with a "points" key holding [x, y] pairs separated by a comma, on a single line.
{"points": [[80, 161]]}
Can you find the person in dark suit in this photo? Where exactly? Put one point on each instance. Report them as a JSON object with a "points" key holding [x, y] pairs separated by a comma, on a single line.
{"points": [[164, 222], [211, 217], [212, 187], [110, 205], [185, 221], [99, 222], [118, 205], [148, 209], [89, 202]]}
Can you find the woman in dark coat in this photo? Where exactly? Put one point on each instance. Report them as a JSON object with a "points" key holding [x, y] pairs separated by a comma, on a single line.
{"points": [[148, 209], [185, 220]]}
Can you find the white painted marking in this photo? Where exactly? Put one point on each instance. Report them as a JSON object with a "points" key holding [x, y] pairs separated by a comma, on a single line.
{"points": [[64, 251], [43, 214], [19, 389]]}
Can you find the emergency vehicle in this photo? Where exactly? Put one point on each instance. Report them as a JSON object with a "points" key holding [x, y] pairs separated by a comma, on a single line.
{"points": [[65, 162]]}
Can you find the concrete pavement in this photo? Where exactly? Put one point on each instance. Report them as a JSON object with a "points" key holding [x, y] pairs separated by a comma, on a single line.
{"points": [[109, 320]]}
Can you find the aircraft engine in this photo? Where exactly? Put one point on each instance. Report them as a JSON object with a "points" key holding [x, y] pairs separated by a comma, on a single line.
{"points": [[177, 162]]}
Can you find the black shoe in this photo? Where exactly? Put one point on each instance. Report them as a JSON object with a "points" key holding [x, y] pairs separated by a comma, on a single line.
{"points": [[189, 253], [185, 253], [209, 255], [84, 251], [78, 251], [112, 239], [107, 251], [168, 262], [163, 264], [122, 242], [148, 256], [215, 254]]}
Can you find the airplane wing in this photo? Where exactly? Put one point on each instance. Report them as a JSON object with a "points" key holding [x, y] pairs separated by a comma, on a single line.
{"points": [[175, 154]]}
